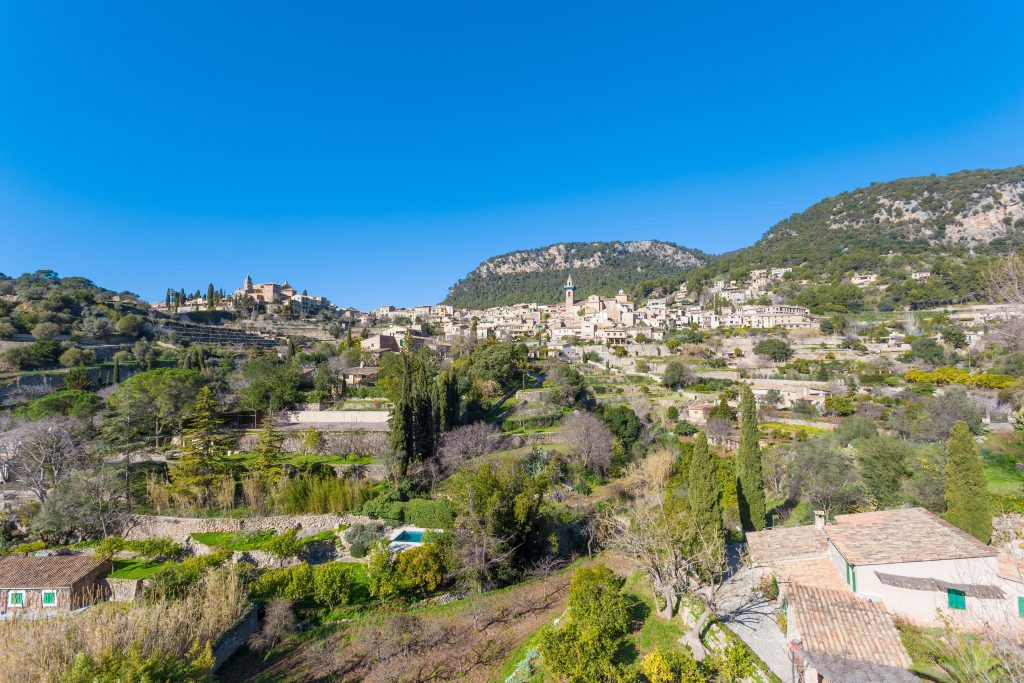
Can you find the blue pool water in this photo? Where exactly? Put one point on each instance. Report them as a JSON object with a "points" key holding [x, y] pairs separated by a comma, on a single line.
{"points": [[409, 537]]}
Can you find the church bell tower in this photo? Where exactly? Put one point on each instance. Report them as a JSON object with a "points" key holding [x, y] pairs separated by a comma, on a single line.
{"points": [[570, 295]]}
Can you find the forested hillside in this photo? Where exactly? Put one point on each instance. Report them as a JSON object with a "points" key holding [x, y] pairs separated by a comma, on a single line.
{"points": [[537, 275]]}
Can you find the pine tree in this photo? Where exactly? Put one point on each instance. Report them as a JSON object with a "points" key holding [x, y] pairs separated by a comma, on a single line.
{"points": [[704, 496], [966, 492], [204, 446], [749, 474], [268, 446]]}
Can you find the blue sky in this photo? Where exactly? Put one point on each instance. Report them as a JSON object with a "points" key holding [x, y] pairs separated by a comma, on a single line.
{"points": [[376, 152]]}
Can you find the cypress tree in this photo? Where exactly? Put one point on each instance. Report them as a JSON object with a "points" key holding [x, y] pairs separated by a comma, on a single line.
{"points": [[749, 474], [209, 295], [117, 370], [424, 418], [704, 496], [966, 493], [402, 421], [167, 298]]}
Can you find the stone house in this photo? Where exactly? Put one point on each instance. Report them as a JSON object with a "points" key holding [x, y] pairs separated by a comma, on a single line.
{"points": [[33, 584]]}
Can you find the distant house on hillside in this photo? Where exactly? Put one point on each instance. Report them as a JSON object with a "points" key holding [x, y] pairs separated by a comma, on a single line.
{"points": [[59, 583]]}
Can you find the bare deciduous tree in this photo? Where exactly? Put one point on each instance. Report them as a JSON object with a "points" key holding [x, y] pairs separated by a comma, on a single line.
{"points": [[45, 453], [1005, 285], [468, 441], [653, 531], [589, 440], [278, 623]]}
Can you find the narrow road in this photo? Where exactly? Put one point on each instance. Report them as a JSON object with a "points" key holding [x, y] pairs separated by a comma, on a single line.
{"points": [[751, 616]]}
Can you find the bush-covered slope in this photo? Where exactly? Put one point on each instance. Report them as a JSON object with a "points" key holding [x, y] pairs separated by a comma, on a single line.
{"points": [[954, 215]]}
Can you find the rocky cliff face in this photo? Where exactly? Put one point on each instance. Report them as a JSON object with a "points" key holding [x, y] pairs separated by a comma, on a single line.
{"points": [[968, 209], [575, 256], [537, 275]]}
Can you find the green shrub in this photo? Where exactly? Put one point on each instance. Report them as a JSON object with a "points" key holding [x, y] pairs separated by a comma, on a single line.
{"points": [[332, 584], [284, 545], [428, 513], [68, 402], [109, 546], [385, 506], [31, 547], [361, 537], [174, 580], [291, 583]]}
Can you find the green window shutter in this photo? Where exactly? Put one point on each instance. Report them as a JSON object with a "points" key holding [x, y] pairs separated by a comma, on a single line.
{"points": [[1020, 606], [957, 599], [49, 598]]}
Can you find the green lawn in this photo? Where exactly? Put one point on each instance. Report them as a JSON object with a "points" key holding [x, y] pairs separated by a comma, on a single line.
{"points": [[654, 631], [238, 541], [136, 569], [1000, 455], [242, 541]]}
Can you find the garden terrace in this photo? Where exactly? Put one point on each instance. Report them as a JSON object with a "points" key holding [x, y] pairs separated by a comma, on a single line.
{"points": [[217, 336]]}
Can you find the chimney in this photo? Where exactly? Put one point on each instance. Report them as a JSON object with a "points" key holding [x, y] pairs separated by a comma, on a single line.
{"points": [[819, 519]]}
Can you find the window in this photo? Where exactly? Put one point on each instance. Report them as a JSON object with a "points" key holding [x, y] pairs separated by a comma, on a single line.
{"points": [[851, 576], [957, 599], [16, 598], [49, 598]]}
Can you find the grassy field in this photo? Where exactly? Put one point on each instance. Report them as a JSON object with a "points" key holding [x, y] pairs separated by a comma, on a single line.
{"points": [[241, 541], [1000, 455], [136, 569], [310, 458]]}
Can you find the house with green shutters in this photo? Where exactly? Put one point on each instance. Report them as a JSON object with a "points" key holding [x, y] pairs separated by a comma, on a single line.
{"points": [[37, 584], [841, 582]]}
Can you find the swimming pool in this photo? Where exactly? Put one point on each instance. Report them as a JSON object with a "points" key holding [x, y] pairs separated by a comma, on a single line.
{"points": [[409, 537]]}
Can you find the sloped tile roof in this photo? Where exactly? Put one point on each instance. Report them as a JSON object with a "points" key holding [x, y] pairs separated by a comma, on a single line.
{"points": [[784, 544], [905, 535], [842, 625], [819, 573], [52, 571]]}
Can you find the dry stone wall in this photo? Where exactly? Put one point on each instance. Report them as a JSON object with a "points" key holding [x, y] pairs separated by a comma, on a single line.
{"points": [[178, 529]]}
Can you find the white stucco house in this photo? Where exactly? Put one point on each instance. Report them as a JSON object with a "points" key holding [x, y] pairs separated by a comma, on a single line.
{"points": [[842, 582]]}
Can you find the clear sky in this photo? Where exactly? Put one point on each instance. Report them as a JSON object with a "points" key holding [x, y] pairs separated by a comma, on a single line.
{"points": [[375, 152]]}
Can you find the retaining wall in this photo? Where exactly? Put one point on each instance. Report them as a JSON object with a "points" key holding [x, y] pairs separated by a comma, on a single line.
{"points": [[368, 417], [236, 636], [178, 529]]}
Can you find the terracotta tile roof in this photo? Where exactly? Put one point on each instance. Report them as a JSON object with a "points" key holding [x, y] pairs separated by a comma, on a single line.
{"points": [[785, 544], [52, 571], [906, 535], [839, 624], [818, 573]]}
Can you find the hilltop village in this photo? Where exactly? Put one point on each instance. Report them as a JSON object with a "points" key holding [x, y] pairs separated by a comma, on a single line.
{"points": [[838, 491]]}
